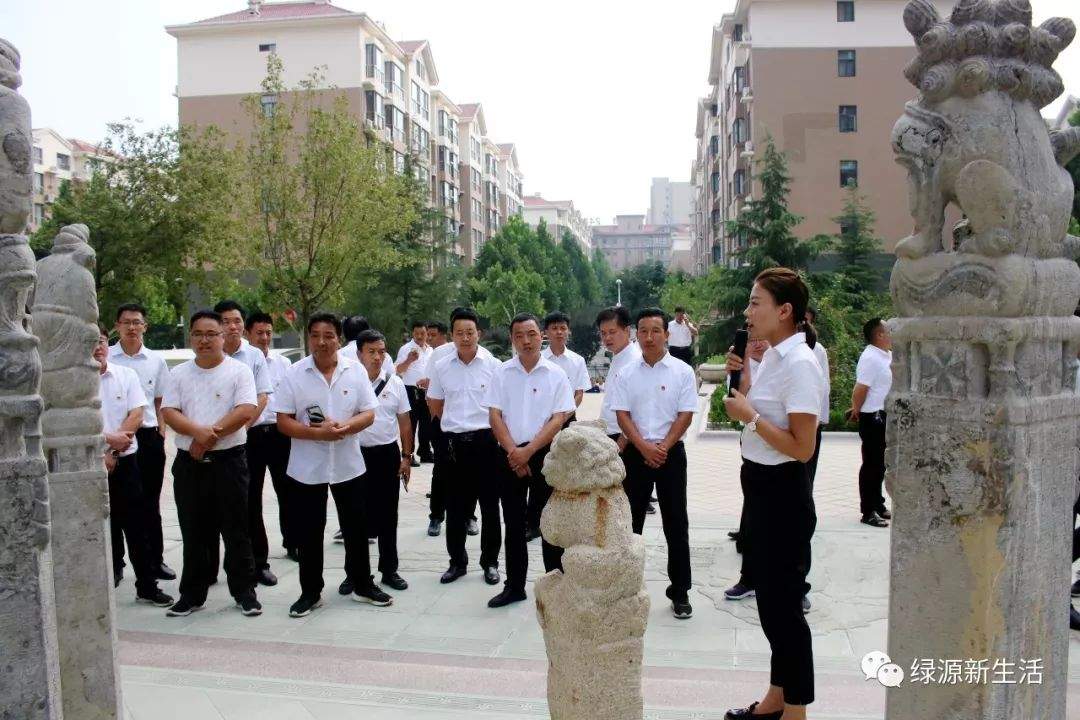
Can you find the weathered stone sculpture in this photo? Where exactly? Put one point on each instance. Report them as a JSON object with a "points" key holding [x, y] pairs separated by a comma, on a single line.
{"points": [[65, 316], [983, 415], [30, 671], [593, 614]]}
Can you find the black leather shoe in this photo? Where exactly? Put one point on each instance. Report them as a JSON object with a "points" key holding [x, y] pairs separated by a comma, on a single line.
{"points": [[749, 714], [395, 581], [650, 509], [414, 462], [734, 535], [346, 587], [1074, 618], [491, 575], [884, 513], [164, 572], [293, 554], [452, 574], [506, 597], [874, 520], [531, 534], [263, 576]]}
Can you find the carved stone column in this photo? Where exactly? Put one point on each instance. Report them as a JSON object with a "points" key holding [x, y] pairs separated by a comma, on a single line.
{"points": [[30, 672], [65, 316], [982, 432]]}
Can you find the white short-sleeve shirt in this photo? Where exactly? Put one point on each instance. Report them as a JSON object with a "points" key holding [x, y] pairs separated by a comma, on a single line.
{"points": [[349, 393], [789, 380], [875, 372], [679, 334], [276, 367], [393, 401], [416, 370], [446, 350], [527, 400], [628, 355], [120, 392], [823, 361], [349, 352], [573, 365], [655, 394], [462, 388], [153, 374], [254, 359], [205, 395]]}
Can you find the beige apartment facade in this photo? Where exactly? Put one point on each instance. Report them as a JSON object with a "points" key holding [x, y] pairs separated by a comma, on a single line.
{"points": [[630, 241], [393, 86], [57, 159], [823, 79], [560, 216]]}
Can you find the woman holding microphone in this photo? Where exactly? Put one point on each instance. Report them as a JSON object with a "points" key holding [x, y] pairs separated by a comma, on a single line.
{"points": [[779, 406]]}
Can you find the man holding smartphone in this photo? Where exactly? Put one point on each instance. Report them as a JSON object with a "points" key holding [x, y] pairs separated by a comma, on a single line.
{"points": [[323, 404], [388, 465]]}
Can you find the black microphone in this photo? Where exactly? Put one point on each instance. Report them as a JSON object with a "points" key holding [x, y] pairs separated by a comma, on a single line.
{"points": [[741, 338]]}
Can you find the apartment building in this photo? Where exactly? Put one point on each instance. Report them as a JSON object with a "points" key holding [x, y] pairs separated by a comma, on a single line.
{"points": [[669, 202], [631, 241], [57, 159], [823, 78], [560, 216], [393, 85], [1061, 120], [510, 201]]}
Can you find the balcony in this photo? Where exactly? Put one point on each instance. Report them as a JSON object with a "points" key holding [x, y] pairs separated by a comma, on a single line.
{"points": [[395, 94], [747, 95], [747, 150], [374, 72]]}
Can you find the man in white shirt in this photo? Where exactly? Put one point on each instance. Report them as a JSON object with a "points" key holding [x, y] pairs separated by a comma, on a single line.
{"points": [[268, 449], [613, 324], [122, 406], [324, 403], [153, 375], [529, 400], [873, 380], [411, 364], [233, 318], [557, 333], [209, 403], [681, 334], [436, 338], [351, 327], [459, 383], [388, 463], [655, 400]]}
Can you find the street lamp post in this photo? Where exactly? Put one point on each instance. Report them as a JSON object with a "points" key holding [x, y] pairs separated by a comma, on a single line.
{"points": [[618, 289]]}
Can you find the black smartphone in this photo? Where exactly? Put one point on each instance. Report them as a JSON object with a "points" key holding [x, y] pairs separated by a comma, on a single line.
{"points": [[315, 414], [741, 338]]}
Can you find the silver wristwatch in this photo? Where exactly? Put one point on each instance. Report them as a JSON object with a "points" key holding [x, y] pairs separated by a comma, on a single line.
{"points": [[752, 425]]}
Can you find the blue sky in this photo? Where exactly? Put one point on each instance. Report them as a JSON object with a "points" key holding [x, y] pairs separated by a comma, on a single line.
{"points": [[598, 95]]}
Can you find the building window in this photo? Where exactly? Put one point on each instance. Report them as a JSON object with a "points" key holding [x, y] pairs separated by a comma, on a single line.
{"points": [[269, 104], [37, 156], [39, 182], [39, 213], [845, 63], [849, 173], [740, 182], [268, 47], [374, 110], [845, 10], [741, 134], [849, 118], [63, 161], [374, 61], [715, 182], [421, 71], [736, 33]]}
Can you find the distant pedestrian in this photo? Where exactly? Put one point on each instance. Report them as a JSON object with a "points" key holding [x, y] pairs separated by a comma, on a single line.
{"points": [[873, 380], [209, 403], [437, 338], [682, 333], [411, 363]]}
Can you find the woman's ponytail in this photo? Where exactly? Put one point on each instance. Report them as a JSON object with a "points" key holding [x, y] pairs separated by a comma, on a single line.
{"points": [[811, 333]]}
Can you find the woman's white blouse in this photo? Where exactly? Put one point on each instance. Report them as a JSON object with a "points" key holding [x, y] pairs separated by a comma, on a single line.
{"points": [[789, 380]]}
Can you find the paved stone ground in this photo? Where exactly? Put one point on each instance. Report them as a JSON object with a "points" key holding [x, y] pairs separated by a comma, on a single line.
{"points": [[439, 652]]}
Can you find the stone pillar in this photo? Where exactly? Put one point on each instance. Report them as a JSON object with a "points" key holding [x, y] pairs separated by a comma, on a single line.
{"points": [[593, 614], [30, 671], [65, 316], [982, 427]]}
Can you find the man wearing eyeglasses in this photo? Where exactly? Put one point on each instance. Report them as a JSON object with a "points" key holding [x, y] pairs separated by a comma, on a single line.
{"points": [[209, 403], [153, 375]]}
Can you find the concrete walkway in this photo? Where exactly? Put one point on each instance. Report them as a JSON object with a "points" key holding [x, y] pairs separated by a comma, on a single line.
{"points": [[439, 652]]}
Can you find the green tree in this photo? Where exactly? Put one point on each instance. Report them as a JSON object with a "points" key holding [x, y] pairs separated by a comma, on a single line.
{"points": [[856, 244], [765, 230], [325, 200], [162, 215], [642, 285]]}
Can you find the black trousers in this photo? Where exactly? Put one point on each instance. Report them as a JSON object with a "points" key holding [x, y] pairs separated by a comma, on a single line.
{"points": [[872, 470], [150, 457], [310, 501], [421, 419], [515, 507], [267, 449], [670, 482], [686, 354], [470, 480], [780, 519], [212, 496], [811, 466], [127, 518], [382, 491], [441, 450], [1076, 531]]}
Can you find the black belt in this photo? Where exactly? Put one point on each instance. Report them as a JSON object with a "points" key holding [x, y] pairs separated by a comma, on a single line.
{"points": [[214, 455], [469, 436], [265, 427]]}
